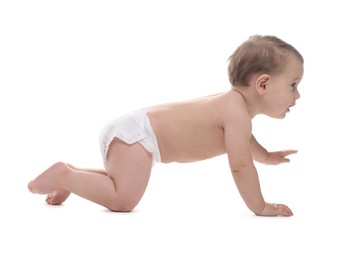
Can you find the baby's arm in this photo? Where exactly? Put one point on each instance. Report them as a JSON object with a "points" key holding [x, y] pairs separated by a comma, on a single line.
{"points": [[238, 146], [260, 154]]}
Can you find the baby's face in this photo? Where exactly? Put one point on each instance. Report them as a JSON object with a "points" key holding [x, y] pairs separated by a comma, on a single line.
{"points": [[283, 89]]}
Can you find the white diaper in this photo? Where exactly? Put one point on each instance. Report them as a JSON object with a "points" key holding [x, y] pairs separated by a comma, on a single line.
{"points": [[130, 128]]}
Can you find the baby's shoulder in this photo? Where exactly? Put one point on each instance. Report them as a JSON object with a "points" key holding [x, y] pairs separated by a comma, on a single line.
{"points": [[234, 111], [233, 103]]}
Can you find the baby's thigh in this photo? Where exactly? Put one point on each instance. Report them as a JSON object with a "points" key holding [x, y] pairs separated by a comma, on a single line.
{"points": [[129, 165]]}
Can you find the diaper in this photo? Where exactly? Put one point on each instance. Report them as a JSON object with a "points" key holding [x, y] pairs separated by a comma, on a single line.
{"points": [[130, 128]]}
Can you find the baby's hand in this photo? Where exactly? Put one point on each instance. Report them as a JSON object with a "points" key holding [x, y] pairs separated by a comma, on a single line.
{"points": [[273, 209], [279, 157]]}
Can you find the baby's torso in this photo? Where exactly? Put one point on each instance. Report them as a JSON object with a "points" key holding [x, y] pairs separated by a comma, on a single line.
{"points": [[191, 130]]}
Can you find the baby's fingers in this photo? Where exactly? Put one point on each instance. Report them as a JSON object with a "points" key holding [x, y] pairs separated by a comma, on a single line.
{"points": [[282, 210], [287, 152], [274, 209]]}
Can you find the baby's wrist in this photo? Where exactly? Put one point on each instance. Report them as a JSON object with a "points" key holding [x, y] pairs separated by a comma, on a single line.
{"points": [[260, 211]]}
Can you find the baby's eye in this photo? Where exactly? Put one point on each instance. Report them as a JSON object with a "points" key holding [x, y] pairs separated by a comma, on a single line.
{"points": [[294, 85]]}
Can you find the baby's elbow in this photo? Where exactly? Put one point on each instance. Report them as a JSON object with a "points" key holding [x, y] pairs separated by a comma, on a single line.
{"points": [[239, 168]]}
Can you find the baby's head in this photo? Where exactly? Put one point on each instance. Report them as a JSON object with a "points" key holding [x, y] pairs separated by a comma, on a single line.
{"points": [[259, 54]]}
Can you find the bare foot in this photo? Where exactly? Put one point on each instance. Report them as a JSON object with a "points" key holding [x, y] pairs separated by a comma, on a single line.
{"points": [[57, 197], [47, 182]]}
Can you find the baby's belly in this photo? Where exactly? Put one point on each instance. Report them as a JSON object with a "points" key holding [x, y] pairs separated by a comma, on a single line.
{"points": [[190, 149]]}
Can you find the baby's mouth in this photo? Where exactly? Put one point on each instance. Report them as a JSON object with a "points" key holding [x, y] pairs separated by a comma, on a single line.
{"points": [[288, 109], [292, 104]]}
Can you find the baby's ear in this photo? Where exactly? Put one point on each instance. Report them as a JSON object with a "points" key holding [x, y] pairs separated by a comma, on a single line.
{"points": [[261, 83]]}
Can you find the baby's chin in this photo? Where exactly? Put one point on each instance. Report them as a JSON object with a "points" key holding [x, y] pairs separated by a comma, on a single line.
{"points": [[280, 116]]}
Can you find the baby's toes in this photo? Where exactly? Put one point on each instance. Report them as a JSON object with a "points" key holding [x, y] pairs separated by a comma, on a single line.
{"points": [[53, 198]]}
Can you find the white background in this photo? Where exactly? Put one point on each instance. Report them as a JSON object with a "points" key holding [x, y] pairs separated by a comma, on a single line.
{"points": [[67, 67]]}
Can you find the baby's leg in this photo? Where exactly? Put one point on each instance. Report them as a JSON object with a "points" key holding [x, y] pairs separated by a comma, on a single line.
{"points": [[58, 196], [129, 168]]}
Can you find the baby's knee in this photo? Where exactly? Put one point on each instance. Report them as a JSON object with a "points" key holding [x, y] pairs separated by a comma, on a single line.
{"points": [[123, 205], [122, 208]]}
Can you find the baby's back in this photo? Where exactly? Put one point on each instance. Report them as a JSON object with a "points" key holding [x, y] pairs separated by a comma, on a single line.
{"points": [[191, 130]]}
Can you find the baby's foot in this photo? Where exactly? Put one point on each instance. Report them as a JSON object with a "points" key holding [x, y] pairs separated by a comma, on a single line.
{"points": [[57, 197], [47, 182]]}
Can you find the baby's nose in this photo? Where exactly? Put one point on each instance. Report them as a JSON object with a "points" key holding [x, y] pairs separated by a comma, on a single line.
{"points": [[297, 95]]}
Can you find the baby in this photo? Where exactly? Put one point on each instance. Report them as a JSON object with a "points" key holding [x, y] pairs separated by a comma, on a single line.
{"points": [[264, 73]]}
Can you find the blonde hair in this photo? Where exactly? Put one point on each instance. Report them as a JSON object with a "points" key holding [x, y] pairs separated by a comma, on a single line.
{"points": [[259, 54]]}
